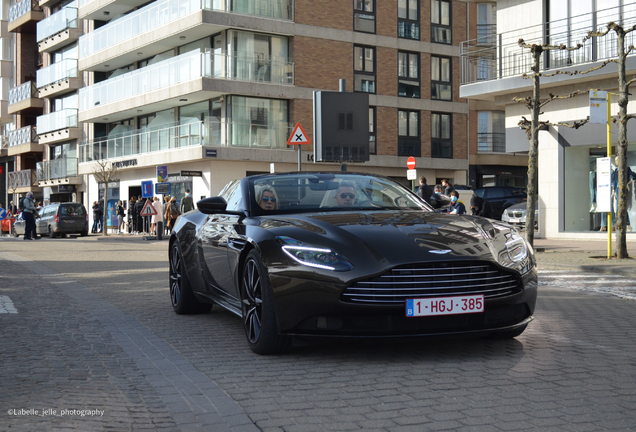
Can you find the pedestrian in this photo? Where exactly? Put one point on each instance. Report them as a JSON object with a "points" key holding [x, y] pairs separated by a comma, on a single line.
{"points": [[186, 202], [13, 208], [157, 219], [27, 215], [448, 188], [424, 191], [457, 207], [172, 213], [480, 207], [166, 203], [436, 199], [139, 206], [95, 209], [132, 220], [121, 214], [100, 214]]}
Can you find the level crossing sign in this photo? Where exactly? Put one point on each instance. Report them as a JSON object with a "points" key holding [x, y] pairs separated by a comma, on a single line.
{"points": [[149, 209]]}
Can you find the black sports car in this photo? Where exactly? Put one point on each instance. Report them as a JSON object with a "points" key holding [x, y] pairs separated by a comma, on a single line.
{"points": [[301, 255]]}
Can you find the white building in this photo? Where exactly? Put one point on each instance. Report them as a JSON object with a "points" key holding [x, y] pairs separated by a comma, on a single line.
{"points": [[492, 71]]}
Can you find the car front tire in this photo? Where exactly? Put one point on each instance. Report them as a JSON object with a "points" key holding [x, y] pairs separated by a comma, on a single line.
{"points": [[259, 317], [181, 295]]}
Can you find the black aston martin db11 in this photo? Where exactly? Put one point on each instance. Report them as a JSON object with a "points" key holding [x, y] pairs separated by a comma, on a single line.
{"points": [[302, 255]]}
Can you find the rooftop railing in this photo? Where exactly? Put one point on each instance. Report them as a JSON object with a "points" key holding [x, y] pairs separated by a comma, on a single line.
{"points": [[500, 56], [162, 12], [217, 133], [59, 21], [184, 68]]}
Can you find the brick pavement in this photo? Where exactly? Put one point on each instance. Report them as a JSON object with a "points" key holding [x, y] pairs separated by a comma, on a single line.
{"points": [[571, 370]]}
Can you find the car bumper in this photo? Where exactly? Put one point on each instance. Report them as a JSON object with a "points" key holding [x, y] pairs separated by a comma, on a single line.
{"points": [[316, 309]]}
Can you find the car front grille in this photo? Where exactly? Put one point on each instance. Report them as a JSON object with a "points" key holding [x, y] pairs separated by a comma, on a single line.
{"points": [[433, 280], [518, 214]]}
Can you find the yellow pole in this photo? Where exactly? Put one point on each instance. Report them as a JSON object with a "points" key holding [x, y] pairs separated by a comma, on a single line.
{"points": [[609, 155]]}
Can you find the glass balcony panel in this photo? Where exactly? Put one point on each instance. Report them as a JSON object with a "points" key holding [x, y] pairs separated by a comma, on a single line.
{"points": [[57, 72], [60, 21], [66, 118], [57, 169]]}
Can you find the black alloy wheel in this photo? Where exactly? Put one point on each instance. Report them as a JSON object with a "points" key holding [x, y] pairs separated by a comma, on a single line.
{"points": [[259, 317], [181, 296]]}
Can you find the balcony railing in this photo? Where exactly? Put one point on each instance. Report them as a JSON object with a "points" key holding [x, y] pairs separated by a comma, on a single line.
{"points": [[19, 179], [22, 92], [66, 118], [162, 12], [505, 58], [25, 135], [491, 142], [184, 68], [57, 169], [212, 133], [60, 21], [21, 8], [56, 72], [4, 142]]}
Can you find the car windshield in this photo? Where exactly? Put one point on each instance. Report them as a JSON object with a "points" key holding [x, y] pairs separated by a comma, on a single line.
{"points": [[308, 192], [72, 210]]}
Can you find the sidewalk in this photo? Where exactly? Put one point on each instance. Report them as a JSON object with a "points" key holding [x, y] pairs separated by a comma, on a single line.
{"points": [[583, 255]]}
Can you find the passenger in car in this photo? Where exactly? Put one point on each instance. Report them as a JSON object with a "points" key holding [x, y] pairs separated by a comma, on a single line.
{"points": [[266, 198], [345, 196]]}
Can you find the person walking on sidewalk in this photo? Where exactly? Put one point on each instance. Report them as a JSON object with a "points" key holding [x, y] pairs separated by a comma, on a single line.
{"points": [[27, 214], [121, 214], [186, 202]]}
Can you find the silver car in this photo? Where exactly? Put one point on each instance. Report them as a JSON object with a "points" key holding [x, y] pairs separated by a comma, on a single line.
{"points": [[516, 215], [57, 219]]}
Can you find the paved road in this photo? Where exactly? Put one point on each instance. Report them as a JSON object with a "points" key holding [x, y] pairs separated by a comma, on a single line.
{"points": [[86, 327]]}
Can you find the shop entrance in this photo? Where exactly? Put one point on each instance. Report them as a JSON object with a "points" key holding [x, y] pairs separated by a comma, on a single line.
{"points": [[134, 191]]}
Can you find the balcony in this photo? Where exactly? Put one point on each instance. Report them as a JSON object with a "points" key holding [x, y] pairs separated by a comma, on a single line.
{"points": [[190, 77], [58, 30], [57, 126], [57, 169], [57, 79], [499, 57], [24, 15], [21, 181], [23, 140], [4, 145], [24, 99], [491, 142], [149, 30], [216, 133]]}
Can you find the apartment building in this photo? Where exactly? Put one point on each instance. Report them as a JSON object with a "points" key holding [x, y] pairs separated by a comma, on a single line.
{"points": [[213, 88], [567, 157]]}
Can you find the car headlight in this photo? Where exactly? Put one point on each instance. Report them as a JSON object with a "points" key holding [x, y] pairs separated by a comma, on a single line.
{"points": [[517, 248], [313, 256]]}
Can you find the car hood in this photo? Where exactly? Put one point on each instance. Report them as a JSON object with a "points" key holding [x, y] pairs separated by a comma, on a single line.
{"points": [[393, 237]]}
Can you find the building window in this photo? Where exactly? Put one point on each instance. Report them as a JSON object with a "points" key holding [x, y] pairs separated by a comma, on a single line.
{"points": [[409, 143], [486, 24], [441, 88], [441, 136], [491, 133], [408, 74], [441, 22], [408, 19], [364, 16], [364, 67], [373, 144]]}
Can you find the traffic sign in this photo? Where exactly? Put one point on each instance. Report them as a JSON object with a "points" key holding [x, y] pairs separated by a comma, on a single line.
{"points": [[410, 163], [146, 189], [3, 213], [163, 189], [411, 174], [298, 136], [149, 209]]}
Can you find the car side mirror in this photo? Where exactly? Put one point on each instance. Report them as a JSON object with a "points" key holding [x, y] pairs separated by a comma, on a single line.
{"points": [[215, 205]]}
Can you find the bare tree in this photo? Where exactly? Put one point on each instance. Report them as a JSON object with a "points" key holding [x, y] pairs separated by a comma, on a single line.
{"points": [[535, 103], [621, 120], [105, 172]]}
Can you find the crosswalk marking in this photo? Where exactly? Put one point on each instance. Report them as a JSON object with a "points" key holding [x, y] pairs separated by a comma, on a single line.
{"points": [[617, 285], [6, 305]]}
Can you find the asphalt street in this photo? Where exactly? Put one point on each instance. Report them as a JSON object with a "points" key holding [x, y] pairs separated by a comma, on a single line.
{"points": [[90, 342]]}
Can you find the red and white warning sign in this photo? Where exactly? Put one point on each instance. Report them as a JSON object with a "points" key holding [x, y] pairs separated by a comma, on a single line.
{"points": [[149, 209], [298, 136]]}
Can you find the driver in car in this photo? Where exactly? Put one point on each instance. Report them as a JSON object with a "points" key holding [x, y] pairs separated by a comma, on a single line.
{"points": [[345, 196], [266, 198]]}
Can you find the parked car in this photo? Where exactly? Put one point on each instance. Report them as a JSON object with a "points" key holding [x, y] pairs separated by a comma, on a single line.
{"points": [[57, 219], [516, 215], [383, 264], [501, 197]]}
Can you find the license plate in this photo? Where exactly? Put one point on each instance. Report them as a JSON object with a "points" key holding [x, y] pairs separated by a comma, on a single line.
{"points": [[69, 221], [445, 306], [514, 220]]}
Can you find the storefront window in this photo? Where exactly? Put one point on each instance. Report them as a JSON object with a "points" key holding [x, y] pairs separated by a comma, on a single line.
{"points": [[581, 175], [110, 213]]}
